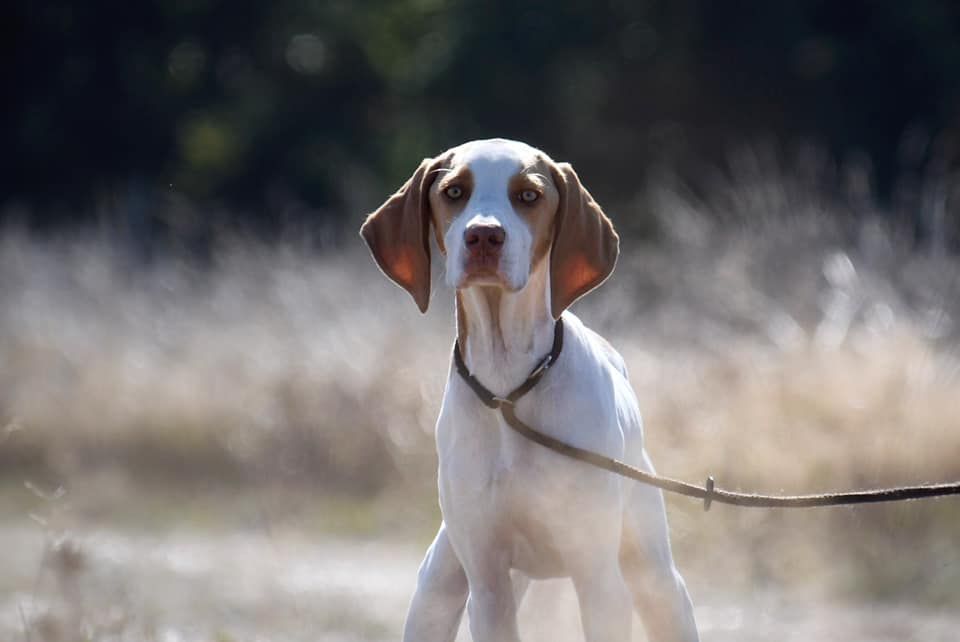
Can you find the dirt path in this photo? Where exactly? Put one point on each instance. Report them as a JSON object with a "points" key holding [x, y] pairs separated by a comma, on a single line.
{"points": [[195, 587]]}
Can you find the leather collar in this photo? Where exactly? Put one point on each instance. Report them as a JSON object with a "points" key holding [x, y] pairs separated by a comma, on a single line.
{"points": [[493, 401]]}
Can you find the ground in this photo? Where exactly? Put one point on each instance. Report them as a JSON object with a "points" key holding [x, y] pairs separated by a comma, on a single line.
{"points": [[244, 577]]}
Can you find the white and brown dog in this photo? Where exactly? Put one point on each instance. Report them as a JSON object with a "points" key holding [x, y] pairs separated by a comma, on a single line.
{"points": [[523, 239]]}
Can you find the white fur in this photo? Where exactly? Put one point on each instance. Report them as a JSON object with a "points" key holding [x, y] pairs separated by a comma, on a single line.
{"points": [[513, 509]]}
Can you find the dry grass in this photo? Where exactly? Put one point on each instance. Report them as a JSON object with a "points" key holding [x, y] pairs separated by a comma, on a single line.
{"points": [[770, 345], [269, 363]]}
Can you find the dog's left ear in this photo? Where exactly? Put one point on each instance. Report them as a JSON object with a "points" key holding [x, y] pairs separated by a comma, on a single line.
{"points": [[397, 234], [585, 245]]}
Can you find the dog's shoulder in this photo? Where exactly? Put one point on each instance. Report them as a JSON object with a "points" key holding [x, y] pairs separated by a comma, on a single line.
{"points": [[603, 351]]}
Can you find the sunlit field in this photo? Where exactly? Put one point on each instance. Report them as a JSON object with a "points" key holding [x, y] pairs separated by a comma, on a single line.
{"points": [[241, 448]]}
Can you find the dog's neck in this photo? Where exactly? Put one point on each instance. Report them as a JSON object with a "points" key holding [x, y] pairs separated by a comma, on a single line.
{"points": [[503, 335]]}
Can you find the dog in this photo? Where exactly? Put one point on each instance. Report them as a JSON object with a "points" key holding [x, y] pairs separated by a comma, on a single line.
{"points": [[522, 240]]}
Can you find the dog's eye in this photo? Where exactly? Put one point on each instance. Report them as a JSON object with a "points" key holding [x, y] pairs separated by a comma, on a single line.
{"points": [[453, 192], [529, 195]]}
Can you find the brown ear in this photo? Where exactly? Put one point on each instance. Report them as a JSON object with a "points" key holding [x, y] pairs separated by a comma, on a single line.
{"points": [[585, 246], [398, 235]]}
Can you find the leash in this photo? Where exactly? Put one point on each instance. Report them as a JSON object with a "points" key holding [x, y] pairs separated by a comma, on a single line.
{"points": [[709, 492]]}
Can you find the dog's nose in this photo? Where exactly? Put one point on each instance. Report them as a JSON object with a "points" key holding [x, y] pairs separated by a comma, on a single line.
{"points": [[487, 237]]}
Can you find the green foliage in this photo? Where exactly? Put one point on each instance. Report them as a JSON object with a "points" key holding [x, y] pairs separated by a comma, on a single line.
{"points": [[305, 101]]}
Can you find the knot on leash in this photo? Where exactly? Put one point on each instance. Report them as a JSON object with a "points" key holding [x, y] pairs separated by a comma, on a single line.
{"points": [[708, 498]]}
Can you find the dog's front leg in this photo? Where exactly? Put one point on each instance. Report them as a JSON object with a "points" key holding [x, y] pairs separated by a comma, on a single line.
{"points": [[492, 605], [659, 592], [441, 595], [605, 607]]}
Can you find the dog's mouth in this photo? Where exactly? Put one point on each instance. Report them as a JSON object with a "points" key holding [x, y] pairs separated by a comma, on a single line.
{"points": [[481, 264], [485, 271], [483, 276]]}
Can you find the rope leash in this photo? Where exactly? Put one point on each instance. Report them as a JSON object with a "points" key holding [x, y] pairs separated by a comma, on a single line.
{"points": [[709, 493]]}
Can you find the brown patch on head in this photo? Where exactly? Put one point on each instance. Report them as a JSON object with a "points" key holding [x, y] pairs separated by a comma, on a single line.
{"points": [[540, 214], [443, 208]]}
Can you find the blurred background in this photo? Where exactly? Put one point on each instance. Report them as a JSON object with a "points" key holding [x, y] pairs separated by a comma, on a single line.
{"points": [[216, 415]]}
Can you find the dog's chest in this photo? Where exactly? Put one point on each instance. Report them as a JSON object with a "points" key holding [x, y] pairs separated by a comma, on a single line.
{"points": [[522, 498]]}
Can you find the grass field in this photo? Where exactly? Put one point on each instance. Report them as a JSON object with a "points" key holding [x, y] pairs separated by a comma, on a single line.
{"points": [[242, 450]]}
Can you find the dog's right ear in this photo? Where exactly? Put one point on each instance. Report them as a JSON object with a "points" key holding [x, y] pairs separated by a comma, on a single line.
{"points": [[397, 234]]}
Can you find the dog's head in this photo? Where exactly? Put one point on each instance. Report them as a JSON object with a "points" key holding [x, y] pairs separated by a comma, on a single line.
{"points": [[498, 209]]}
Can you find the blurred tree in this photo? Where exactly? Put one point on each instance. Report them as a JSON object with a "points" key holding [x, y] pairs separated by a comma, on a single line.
{"points": [[313, 109]]}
